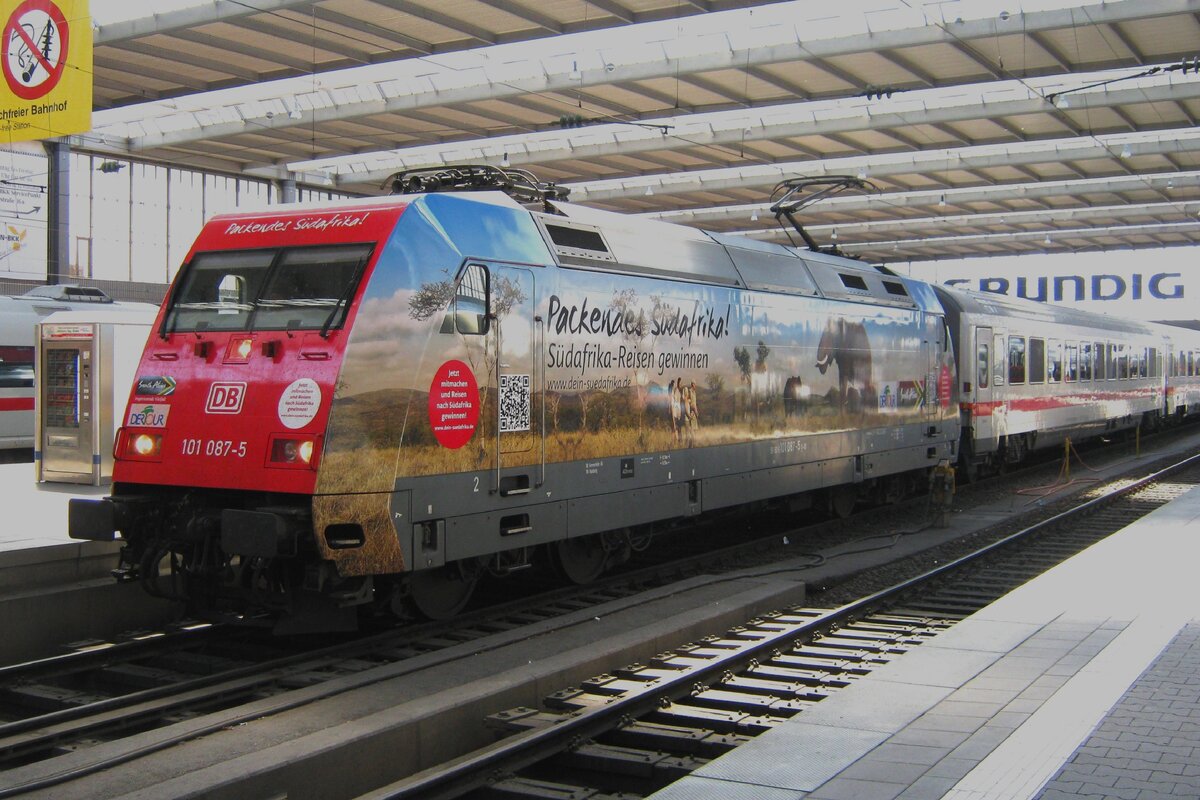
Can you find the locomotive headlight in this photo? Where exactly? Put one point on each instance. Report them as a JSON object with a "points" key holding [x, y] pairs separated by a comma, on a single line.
{"points": [[145, 446], [292, 453], [239, 351]]}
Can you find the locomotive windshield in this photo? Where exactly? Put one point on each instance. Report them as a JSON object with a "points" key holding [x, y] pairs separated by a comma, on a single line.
{"points": [[268, 290]]}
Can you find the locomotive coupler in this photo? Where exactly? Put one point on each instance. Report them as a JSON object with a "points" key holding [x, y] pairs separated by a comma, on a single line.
{"points": [[941, 493]]}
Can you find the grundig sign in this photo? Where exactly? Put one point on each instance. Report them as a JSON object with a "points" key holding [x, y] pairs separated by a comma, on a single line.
{"points": [[1081, 288]]}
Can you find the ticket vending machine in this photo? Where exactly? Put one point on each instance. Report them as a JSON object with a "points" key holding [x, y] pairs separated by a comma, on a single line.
{"points": [[86, 362]]}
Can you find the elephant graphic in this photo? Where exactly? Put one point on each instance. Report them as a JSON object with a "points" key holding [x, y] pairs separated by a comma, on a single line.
{"points": [[845, 343], [793, 396]]}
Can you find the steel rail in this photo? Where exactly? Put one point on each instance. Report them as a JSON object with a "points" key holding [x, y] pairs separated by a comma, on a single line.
{"points": [[100, 655]]}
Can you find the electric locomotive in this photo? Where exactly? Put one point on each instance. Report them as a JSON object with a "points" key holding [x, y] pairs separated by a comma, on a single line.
{"points": [[375, 402]]}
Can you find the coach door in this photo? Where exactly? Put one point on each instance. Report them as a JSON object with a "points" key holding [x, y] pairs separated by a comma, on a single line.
{"points": [[518, 417], [981, 379]]}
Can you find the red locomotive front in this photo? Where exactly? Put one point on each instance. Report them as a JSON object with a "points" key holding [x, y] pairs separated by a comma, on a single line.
{"points": [[235, 384]]}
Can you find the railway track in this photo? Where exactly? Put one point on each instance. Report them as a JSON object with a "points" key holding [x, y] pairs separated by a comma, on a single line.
{"points": [[100, 693], [67, 704], [631, 732]]}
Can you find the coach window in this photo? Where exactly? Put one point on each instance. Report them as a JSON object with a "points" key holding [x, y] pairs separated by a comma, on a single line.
{"points": [[1037, 360], [1155, 369], [1016, 359], [1122, 362], [16, 367], [1072, 362], [1055, 365], [1085, 361], [1111, 360], [983, 366], [1099, 372], [471, 301]]}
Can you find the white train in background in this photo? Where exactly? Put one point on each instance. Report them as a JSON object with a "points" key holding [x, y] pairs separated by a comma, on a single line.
{"points": [[19, 317]]}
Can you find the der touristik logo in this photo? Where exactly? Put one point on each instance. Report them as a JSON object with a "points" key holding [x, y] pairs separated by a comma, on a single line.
{"points": [[225, 397]]}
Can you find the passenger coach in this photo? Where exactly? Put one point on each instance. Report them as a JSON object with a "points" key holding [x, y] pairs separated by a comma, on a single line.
{"points": [[1032, 374]]}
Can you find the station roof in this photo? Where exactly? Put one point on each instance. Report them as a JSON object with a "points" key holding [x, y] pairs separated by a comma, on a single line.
{"points": [[986, 129]]}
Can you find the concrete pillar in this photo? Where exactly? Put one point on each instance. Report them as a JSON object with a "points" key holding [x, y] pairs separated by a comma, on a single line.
{"points": [[287, 190], [58, 211]]}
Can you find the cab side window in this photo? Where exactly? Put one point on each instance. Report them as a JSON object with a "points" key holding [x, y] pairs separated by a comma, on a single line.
{"points": [[471, 301]]}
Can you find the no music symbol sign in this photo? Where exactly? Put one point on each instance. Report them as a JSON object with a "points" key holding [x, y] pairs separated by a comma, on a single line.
{"points": [[34, 48]]}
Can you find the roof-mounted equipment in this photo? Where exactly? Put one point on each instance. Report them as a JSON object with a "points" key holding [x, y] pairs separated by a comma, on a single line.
{"points": [[519, 184], [798, 193]]}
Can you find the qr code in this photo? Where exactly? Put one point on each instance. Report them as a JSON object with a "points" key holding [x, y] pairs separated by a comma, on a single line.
{"points": [[514, 403]]}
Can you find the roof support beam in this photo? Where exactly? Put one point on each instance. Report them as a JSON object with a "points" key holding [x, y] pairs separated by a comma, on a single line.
{"points": [[285, 34], [445, 20], [814, 119], [369, 29], [1042, 42], [615, 9], [172, 21], [1052, 218], [1119, 34], [218, 44], [980, 157], [785, 86], [542, 21], [215, 65], [423, 86], [902, 250]]}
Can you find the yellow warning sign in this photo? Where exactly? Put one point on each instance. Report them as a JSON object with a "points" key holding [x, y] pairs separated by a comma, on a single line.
{"points": [[46, 58]]}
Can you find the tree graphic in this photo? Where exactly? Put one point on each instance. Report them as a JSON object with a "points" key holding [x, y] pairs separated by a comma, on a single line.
{"points": [[761, 353], [742, 357], [625, 302], [430, 299]]}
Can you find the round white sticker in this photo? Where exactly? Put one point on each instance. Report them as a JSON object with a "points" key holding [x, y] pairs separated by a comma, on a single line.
{"points": [[299, 403]]}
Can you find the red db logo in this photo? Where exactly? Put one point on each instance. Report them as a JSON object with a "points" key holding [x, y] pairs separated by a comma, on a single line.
{"points": [[225, 398]]}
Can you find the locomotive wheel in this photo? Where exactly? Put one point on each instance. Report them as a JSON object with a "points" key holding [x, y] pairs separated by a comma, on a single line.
{"points": [[842, 500], [580, 560], [440, 593]]}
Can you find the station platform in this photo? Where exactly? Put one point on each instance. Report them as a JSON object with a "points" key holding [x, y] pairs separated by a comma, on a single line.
{"points": [[35, 514], [55, 589], [1084, 683]]}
